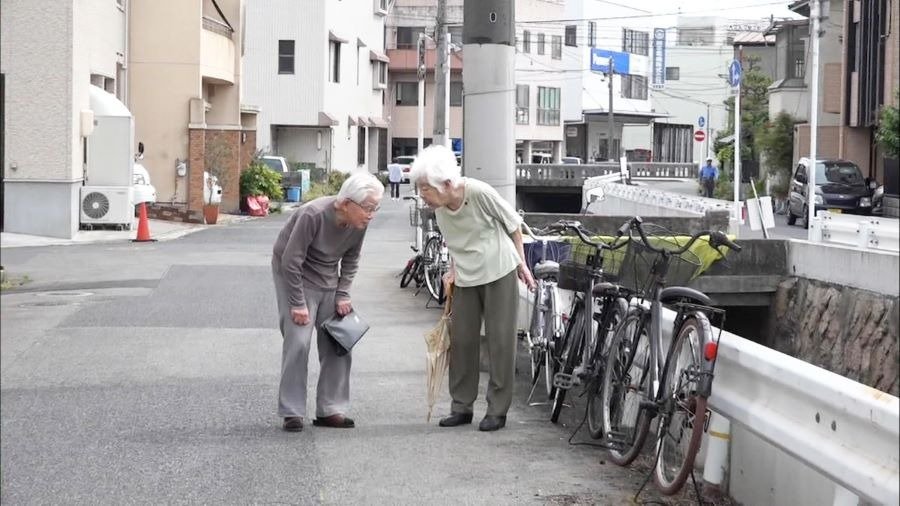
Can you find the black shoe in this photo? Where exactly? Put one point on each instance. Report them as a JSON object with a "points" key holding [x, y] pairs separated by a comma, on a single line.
{"points": [[491, 423], [335, 421], [293, 424], [456, 419]]}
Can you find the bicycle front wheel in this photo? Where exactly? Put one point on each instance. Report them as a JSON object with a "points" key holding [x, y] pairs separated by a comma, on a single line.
{"points": [[614, 314], [570, 356], [626, 382], [409, 272], [434, 268], [681, 427]]}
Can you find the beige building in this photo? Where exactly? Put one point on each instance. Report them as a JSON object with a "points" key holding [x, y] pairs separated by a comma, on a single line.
{"points": [[185, 94], [51, 51]]}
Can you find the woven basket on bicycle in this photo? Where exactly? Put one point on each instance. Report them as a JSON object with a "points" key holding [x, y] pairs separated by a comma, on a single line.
{"points": [[636, 270]]}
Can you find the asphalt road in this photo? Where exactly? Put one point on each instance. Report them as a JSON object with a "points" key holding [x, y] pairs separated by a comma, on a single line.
{"points": [[147, 374]]}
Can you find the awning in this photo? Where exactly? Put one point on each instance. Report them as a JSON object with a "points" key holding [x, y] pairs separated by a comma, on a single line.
{"points": [[378, 122], [360, 43], [374, 55], [351, 121], [363, 121], [334, 38], [326, 119]]}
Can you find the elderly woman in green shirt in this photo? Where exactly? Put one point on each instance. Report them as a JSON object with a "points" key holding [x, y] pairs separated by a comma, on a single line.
{"points": [[484, 237]]}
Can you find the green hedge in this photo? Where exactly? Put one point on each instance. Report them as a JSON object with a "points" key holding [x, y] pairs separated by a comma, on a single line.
{"points": [[259, 179]]}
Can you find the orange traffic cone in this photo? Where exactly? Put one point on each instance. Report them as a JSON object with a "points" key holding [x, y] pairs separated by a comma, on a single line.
{"points": [[143, 232]]}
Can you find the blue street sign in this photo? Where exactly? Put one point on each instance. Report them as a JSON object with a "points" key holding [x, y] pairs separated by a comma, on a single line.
{"points": [[734, 73], [701, 121], [600, 61]]}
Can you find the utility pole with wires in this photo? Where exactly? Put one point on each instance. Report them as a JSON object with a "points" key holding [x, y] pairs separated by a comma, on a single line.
{"points": [[816, 16], [420, 74], [440, 133]]}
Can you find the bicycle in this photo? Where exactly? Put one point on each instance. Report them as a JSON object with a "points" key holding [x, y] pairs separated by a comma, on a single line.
{"points": [[545, 324], [576, 357], [638, 383], [432, 260]]}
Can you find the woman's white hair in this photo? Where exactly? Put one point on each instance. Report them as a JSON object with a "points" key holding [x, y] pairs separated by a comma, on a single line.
{"points": [[437, 165], [360, 186]]}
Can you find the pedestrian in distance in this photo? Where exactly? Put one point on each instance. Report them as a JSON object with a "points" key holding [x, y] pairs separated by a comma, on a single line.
{"points": [[484, 238], [709, 174], [314, 261], [395, 176]]}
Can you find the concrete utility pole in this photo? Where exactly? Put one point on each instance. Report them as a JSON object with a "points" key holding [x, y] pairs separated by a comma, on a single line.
{"points": [[439, 134], [489, 43], [609, 117], [737, 144], [815, 14], [420, 73]]}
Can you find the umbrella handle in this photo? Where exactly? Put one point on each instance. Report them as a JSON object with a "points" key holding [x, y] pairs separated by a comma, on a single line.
{"points": [[449, 289]]}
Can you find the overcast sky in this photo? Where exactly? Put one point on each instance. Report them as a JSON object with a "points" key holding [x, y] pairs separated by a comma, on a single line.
{"points": [[730, 9]]}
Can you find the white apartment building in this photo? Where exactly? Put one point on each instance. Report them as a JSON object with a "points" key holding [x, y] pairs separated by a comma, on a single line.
{"points": [[51, 51], [539, 75], [605, 26], [318, 73]]}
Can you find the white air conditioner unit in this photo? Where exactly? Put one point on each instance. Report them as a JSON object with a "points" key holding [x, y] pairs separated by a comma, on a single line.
{"points": [[107, 205]]}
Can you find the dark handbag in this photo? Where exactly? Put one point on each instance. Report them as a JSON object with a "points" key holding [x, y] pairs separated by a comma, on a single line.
{"points": [[345, 331]]}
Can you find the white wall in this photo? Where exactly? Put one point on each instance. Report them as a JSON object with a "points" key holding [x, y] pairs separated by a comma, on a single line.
{"points": [[537, 70]]}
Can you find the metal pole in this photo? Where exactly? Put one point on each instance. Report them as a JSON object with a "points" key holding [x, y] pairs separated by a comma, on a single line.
{"points": [[420, 48], [737, 146], [815, 14], [447, 137], [438, 134], [610, 120], [706, 144]]}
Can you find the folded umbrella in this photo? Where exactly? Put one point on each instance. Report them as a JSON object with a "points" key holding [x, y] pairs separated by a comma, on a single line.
{"points": [[437, 342]]}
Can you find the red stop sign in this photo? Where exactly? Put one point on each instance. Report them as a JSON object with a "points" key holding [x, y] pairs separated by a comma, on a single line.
{"points": [[699, 136]]}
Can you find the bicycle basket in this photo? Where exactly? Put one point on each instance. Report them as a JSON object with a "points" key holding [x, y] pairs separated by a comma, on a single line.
{"points": [[413, 216], [426, 214], [636, 270], [575, 269]]}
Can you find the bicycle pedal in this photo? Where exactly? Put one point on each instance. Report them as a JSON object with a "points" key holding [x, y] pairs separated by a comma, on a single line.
{"points": [[563, 380]]}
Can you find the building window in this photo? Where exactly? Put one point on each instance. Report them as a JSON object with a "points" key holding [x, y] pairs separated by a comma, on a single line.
{"points": [[334, 62], [456, 34], [634, 87], [540, 44], [673, 73], [408, 36], [285, 57], [379, 74], [360, 146], [796, 58], [522, 104], [556, 47], [526, 42], [635, 42], [407, 94], [571, 35], [592, 33], [548, 106], [456, 93]]}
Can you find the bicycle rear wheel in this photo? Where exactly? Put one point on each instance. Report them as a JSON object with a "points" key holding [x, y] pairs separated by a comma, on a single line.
{"points": [[540, 334], [626, 382], [614, 313], [434, 268], [409, 272], [681, 428], [571, 354]]}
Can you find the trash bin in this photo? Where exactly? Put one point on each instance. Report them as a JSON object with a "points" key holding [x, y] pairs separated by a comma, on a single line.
{"points": [[293, 194]]}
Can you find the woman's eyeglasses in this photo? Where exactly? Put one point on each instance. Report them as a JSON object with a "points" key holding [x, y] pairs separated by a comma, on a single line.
{"points": [[371, 209]]}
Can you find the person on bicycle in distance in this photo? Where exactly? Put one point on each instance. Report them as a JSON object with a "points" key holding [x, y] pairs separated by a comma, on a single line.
{"points": [[483, 236], [314, 261]]}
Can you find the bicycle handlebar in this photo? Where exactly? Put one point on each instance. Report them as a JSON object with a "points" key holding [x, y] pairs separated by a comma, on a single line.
{"points": [[716, 238]]}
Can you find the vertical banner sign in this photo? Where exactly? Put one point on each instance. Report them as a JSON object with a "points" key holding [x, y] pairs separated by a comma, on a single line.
{"points": [[659, 58]]}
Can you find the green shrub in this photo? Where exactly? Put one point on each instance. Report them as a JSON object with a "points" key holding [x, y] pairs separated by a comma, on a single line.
{"points": [[259, 179], [330, 185]]}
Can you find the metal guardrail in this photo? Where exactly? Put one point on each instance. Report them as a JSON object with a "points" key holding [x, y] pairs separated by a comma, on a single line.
{"points": [[865, 232], [574, 175], [842, 429], [649, 196]]}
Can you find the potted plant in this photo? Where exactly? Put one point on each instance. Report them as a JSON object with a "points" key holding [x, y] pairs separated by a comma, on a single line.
{"points": [[217, 157], [260, 182]]}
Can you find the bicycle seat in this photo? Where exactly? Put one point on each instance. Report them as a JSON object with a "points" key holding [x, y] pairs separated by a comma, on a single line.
{"points": [[546, 269], [606, 288]]}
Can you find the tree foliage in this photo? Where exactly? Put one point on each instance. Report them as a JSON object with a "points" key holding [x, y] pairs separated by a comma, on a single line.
{"points": [[888, 134], [775, 141]]}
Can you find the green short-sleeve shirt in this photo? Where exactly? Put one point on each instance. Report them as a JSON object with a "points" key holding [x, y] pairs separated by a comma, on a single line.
{"points": [[478, 235]]}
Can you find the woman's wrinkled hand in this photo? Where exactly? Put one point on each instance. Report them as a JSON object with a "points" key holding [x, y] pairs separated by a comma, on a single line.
{"points": [[525, 275], [300, 315], [343, 307]]}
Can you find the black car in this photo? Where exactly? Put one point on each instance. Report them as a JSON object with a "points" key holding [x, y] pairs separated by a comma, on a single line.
{"points": [[840, 187]]}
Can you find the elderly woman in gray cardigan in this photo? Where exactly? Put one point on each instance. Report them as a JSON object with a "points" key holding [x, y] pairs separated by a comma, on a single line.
{"points": [[483, 236], [314, 261]]}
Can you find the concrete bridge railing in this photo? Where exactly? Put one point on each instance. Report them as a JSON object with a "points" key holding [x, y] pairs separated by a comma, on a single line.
{"points": [[575, 175]]}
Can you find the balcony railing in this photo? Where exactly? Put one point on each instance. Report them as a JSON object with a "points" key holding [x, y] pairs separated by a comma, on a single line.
{"points": [[217, 27]]}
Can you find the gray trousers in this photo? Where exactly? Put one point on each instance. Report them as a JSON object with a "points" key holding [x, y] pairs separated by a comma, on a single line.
{"points": [[333, 391], [495, 303]]}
